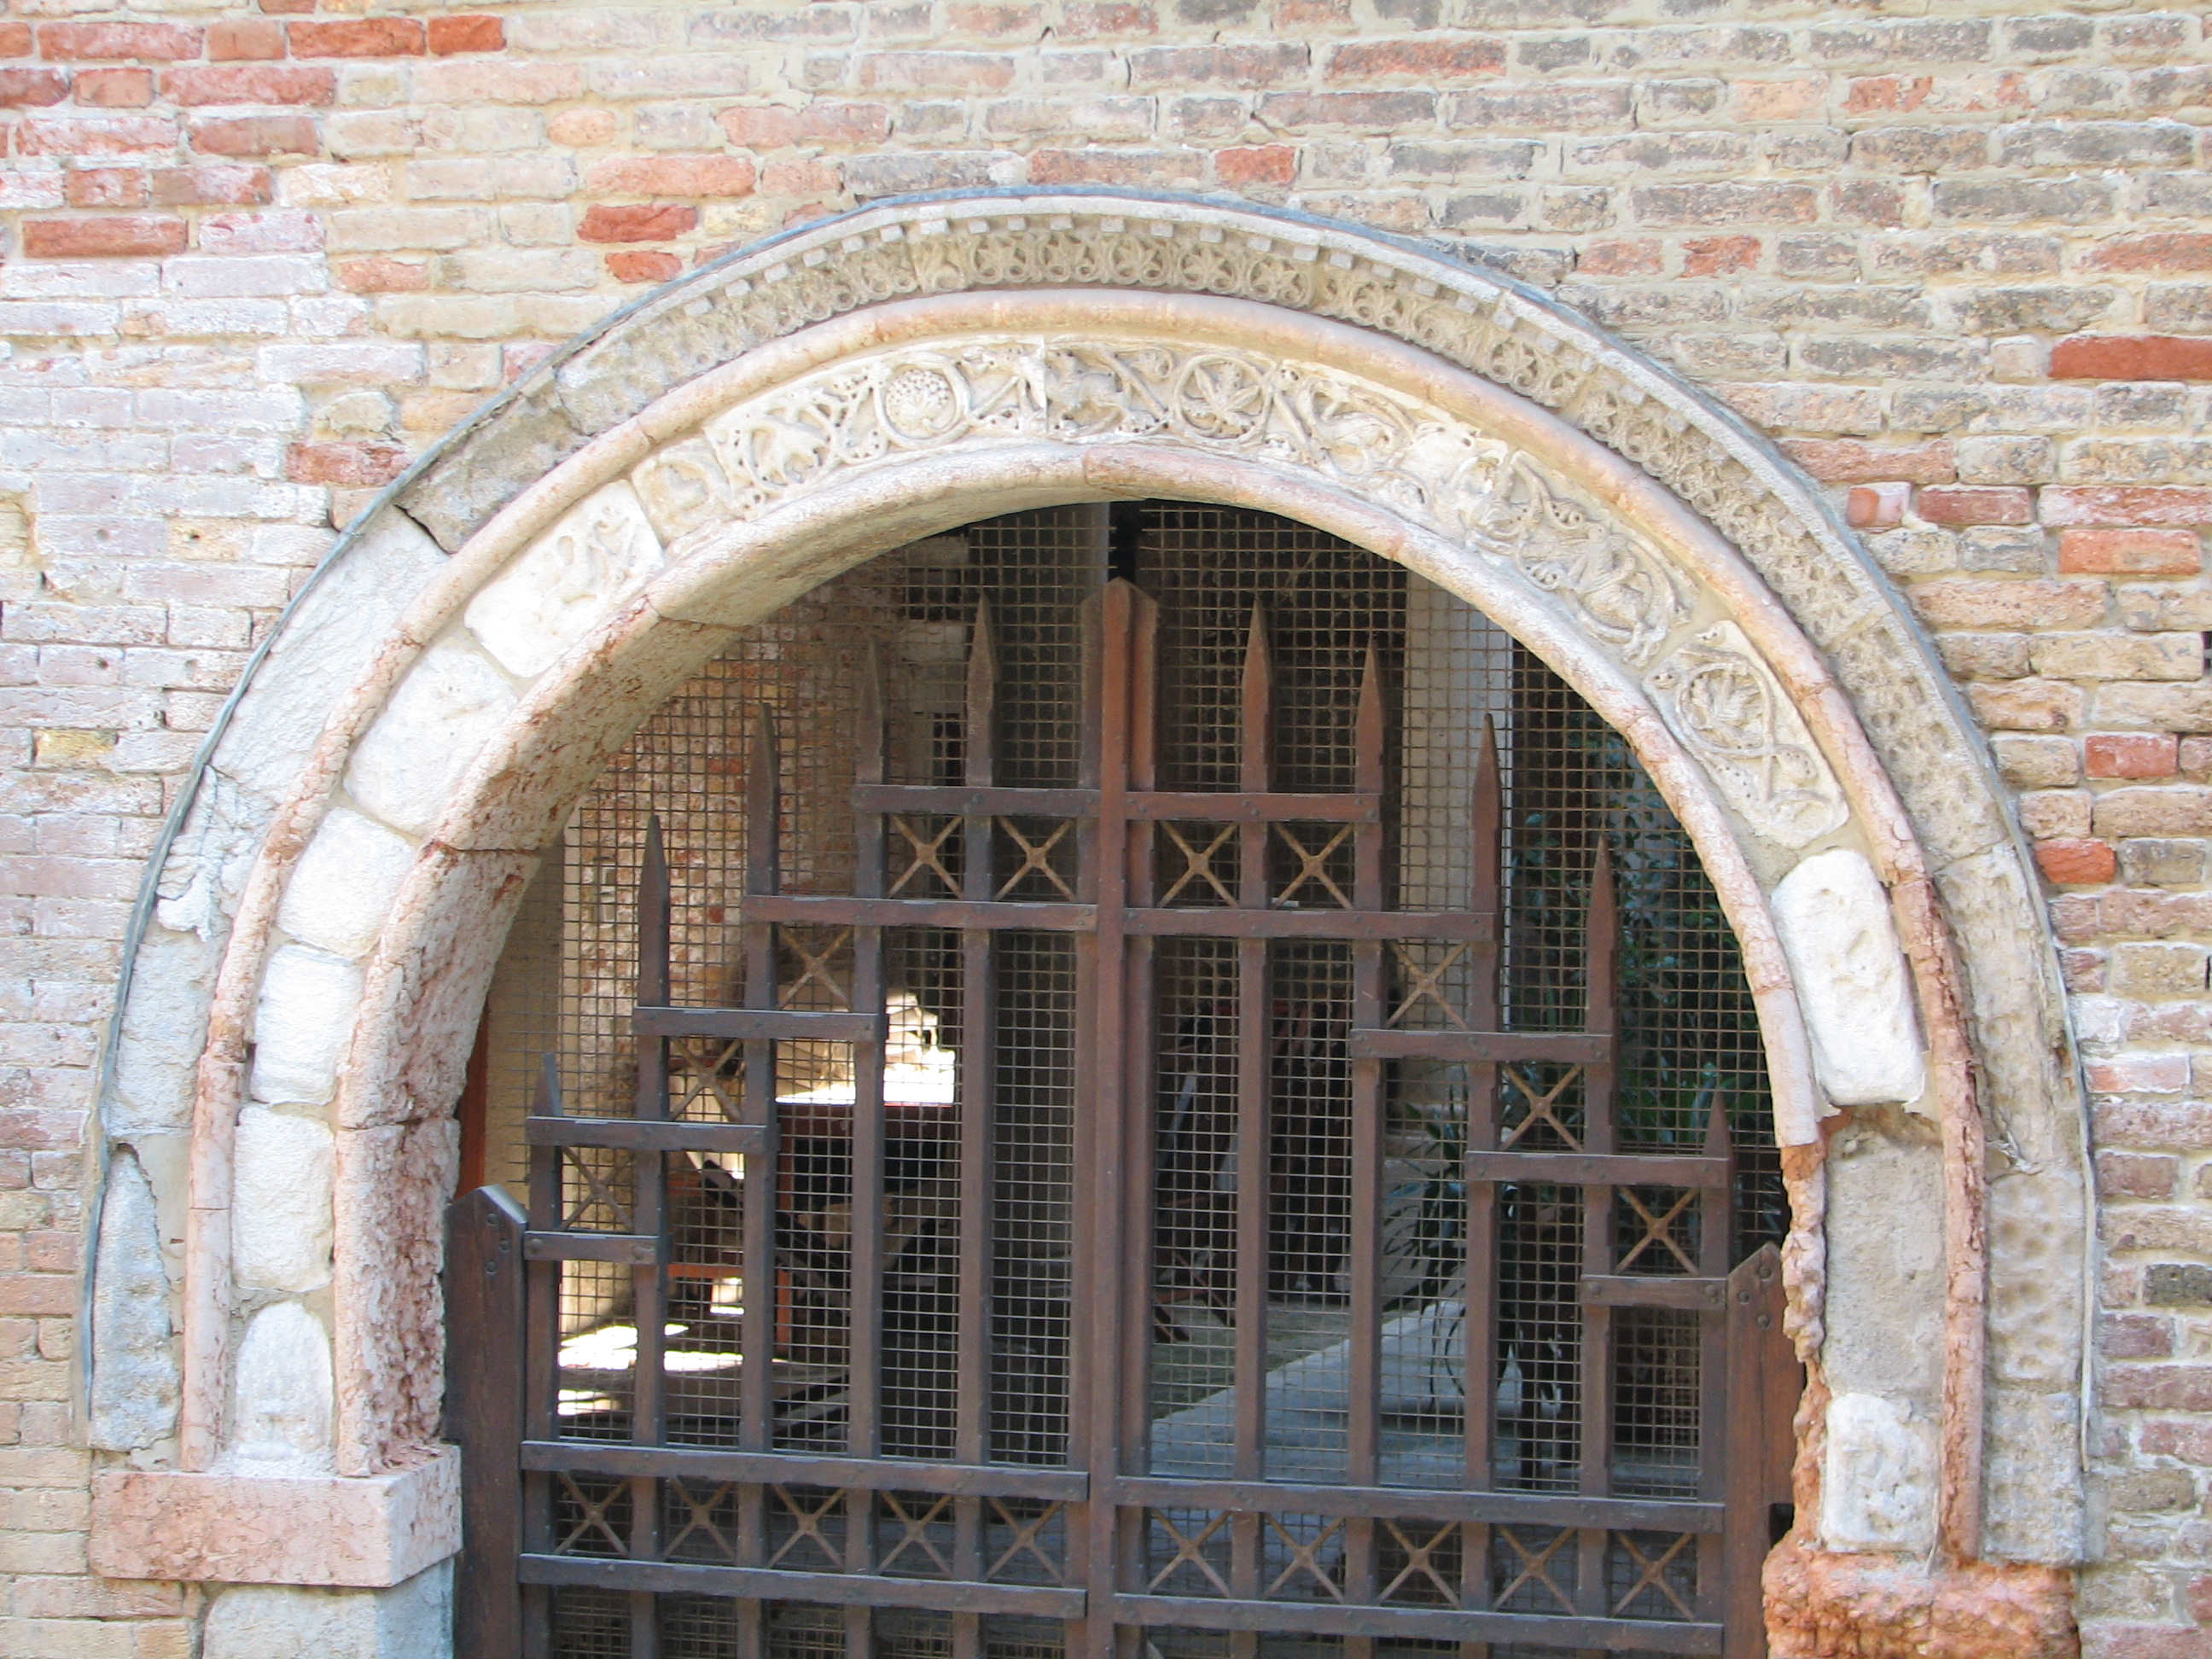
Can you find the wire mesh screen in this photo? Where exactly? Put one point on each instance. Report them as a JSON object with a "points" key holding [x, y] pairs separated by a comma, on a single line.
{"points": [[1249, 1089]]}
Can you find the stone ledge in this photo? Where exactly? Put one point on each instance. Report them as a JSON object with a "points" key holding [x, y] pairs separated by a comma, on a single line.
{"points": [[367, 1533]]}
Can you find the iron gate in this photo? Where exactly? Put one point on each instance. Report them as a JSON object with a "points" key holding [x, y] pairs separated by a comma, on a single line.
{"points": [[879, 1380]]}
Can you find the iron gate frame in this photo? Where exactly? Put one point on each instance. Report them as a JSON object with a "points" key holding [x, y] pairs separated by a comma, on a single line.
{"points": [[503, 1268]]}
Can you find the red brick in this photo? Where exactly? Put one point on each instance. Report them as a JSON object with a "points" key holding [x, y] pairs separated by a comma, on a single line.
{"points": [[933, 71], [2138, 1175], [1877, 506], [251, 84], [257, 135], [2132, 754], [213, 186], [2135, 1336], [1098, 166], [2129, 553], [994, 22], [2075, 863], [108, 187], [1089, 19], [1219, 69], [643, 265], [1638, 257], [1719, 256], [115, 88], [245, 38], [1256, 164], [673, 175], [379, 276], [148, 42], [795, 177], [1847, 460], [2131, 357], [1428, 60], [1976, 504], [2118, 504], [654, 223], [2189, 1440], [2139, 1074], [101, 239], [287, 8], [773, 127], [39, 1295], [2009, 605], [15, 39], [31, 88], [359, 37], [2159, 1388], [2163, 250], [450, 36], [344, 464]]}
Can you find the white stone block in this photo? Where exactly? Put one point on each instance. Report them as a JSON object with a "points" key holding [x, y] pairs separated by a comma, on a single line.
{"points": [[164, 1029], [1833, 915], [437, 722], [558, 588], [413, 1620], [280, 1206], [1878, 1492], [308, 1000], [281, 1399], [328, 642], [342, 889], [135, 1383]]}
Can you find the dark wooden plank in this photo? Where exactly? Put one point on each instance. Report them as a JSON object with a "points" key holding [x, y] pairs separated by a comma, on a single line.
{"points": [[1254, 806], [779, 1024], [796, 1468], [818, 910], [629, 1249], [484, 1348], [1392, 1043], [1117, 622], [666, 1135], [1417, 1503], [973, 800], [1651, 1291], [1612, 1168], [1763, 1382], [1222, 922], [1417, 1624], [847, 1589]]}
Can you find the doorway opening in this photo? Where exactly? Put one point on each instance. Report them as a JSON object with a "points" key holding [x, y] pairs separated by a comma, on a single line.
{"points": [[1130, 1076]]}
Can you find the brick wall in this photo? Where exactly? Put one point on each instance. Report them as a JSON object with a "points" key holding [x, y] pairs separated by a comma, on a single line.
{"points": [[251, 261]]}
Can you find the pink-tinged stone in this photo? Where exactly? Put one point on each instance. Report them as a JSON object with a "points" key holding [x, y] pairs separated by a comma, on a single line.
{"points": [[256, 1529]]}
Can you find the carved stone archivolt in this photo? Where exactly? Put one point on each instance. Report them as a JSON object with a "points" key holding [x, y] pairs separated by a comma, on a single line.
{"points": [[1718, 695]]}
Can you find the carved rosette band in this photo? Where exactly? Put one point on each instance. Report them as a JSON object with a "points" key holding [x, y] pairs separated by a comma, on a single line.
{"points": [[1716, 694]]}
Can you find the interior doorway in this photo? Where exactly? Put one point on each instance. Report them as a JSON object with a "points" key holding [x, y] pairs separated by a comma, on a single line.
{"points": [[1129, 1076]]}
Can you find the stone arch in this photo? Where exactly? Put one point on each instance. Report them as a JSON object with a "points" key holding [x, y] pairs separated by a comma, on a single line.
{"points": [[318, 939]]}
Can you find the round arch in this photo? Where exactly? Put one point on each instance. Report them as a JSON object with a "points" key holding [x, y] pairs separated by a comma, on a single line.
{"points": [[330, 908]]}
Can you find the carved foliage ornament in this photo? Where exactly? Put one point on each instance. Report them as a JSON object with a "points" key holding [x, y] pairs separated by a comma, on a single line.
{"points": [[1716, 694]]}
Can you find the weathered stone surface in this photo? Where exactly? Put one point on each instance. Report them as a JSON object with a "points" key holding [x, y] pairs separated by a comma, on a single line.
{"points": [[280, 1528], [134, 1366], [282, 1395], [565, 582], [2029, 1516], [342, 889], [1834, 913], [443, 713], [339, 625], [280, 1206], [413, 1620], [300, 1026], [1878, 1489]]}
